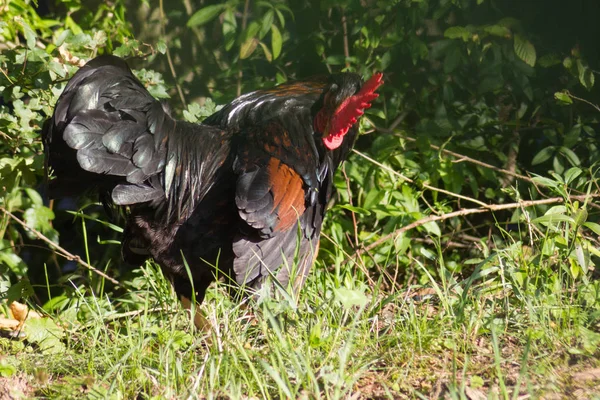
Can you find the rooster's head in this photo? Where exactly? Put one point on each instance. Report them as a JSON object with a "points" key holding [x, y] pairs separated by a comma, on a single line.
{"points": [[343, 103]]}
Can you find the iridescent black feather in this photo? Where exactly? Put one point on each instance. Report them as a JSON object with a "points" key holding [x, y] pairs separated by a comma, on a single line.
{"points": [[245, 191]]}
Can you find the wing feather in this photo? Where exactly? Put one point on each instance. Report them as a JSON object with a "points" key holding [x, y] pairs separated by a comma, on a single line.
{"points": [[107, 124]]}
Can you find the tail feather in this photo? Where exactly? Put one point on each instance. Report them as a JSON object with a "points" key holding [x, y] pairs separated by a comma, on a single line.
{"points": [[126, 194], [122, 141]]}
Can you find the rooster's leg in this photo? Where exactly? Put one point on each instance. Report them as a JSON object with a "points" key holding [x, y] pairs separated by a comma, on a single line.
{"points": [[200, 321]]}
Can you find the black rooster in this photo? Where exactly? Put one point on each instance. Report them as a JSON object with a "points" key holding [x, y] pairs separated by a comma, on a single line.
{"points": [[243, 193]]}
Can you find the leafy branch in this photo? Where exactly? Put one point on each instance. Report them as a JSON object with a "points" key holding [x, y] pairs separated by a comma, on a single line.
{"points": [[169, 59], [470, 211]]}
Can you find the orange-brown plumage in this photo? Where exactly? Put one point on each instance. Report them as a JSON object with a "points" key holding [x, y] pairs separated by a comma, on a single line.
{"points": [[288, 194]]}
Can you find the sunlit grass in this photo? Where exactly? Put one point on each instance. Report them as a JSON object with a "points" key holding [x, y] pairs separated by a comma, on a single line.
{"points": [[486, 332]]}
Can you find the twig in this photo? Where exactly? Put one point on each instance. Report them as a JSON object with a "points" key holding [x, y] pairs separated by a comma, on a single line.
{"points": [[325, 62], [61, 250], [6, 76], [449, 244], [469, 211], [583, 100], [461, 158], [240, 72], [477, 162], [133, 313], [511, 158], [346, 47], [354, 223], [169, 59], [425, 185]]}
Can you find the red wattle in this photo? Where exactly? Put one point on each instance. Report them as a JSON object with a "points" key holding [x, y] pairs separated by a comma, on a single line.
{"points": [[332, 142], [348, 112]]}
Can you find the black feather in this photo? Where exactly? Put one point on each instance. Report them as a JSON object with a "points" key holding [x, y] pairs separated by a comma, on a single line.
{"points": [[125, 194], [143, 150], [86, 130], [120, 133], [103, 162]]}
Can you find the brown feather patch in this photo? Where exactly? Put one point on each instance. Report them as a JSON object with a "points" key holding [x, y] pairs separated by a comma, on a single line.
{"points": [[288, 194], [296, 88]]}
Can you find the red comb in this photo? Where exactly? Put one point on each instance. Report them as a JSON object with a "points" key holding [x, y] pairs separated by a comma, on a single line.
{"points": [[350, 110]]}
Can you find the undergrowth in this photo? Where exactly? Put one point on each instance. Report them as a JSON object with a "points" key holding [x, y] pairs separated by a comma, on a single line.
{"points": [[519, 323]]}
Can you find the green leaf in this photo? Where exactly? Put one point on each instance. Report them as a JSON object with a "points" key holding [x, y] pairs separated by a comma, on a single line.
{"points": [[281, 18], [572, 174], [161, 46], [335, 60], [57, 68], [281, 6], [552, 218], [549, 60], [545, 181], [276, 41], [543, 155], [594, 227], [248, 47], [229, 29], [350, 298], [19, 290], [62, 37], [525, 50], [428, 253], [498, 30], [30, 35], [385, 61], [251, 31], [580, 216], [57, 303], [453, 59], [267, 52], [7, 370], [570, 156], [46, 334], [564, 98], [35, 197], [72, 26], [457, 32], [205, 15], [16, 265], [586, 76], [476, 382], [81, 214], [374, 197], [433, 228], [38, 217], [556, 210], [358, 210], [266, 23]]}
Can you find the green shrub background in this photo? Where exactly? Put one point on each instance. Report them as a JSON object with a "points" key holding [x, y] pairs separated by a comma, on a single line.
{"points": [[485, 104]]}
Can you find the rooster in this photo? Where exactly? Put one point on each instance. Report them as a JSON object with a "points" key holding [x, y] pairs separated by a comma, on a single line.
{"points": [[241, 195]]}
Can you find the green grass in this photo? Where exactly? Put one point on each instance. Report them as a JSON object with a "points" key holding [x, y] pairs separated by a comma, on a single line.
{"points": [[519, 324]]}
